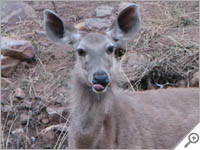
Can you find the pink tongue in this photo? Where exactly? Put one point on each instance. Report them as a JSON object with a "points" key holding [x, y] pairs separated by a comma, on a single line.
{"points": [[98, 86]]}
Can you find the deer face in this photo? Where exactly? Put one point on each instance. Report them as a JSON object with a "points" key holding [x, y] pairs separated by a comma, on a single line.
{"points": [[95, 51]]}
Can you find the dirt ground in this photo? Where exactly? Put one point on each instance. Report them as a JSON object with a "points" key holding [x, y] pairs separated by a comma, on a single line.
{"points": [[45, 80]]}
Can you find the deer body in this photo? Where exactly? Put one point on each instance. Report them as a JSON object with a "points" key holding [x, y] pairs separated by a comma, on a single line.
{"points": [[103, 116], [122, 119]]}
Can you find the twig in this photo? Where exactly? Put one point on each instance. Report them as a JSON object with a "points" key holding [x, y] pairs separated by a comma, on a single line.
{"points": [[10, 132], [54, 6], [62, 132]]}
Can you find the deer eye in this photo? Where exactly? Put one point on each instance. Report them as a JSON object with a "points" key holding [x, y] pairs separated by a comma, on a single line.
{"points": [[81, 52], [110, 49], [116, 40]]}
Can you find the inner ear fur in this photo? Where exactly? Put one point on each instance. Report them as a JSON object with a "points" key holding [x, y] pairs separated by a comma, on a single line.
{"points": [[129, 19], [59, 32], [54, 24], [126, 24]]}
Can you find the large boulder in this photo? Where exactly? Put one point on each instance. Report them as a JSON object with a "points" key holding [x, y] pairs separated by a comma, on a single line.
{"points": [[97, 23], [18, 49], [15, 11], [103, 11]]}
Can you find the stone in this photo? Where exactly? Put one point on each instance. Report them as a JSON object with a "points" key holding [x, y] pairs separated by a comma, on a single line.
{"points": [[56, 113], [45, 120], [40, 34], [18, 49], [8, 66], [23, 119], [26, 104], [51, 110], [97, 23], [47, 136], [15, 11], [19, 93], [6, 108], [103, 11], [18, 131]]}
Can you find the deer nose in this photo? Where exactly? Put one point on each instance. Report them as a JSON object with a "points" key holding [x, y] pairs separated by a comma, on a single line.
{"points": [[100, 77]]}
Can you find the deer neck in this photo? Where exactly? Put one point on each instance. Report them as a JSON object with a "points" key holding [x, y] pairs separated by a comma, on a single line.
{"points": [[89, 107], [84, 96]]}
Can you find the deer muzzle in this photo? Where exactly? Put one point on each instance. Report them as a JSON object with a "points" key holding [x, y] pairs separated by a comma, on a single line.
{"points": [[100, 81]]}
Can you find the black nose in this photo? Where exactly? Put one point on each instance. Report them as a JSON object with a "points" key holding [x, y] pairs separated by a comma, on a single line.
{"points": [[101, 77]]}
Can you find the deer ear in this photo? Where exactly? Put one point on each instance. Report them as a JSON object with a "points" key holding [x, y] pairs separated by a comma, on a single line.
{"points": [[127, 23], [57, 31]]}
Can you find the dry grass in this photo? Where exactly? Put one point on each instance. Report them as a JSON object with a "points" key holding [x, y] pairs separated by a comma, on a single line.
{"points": [[160, 47]]}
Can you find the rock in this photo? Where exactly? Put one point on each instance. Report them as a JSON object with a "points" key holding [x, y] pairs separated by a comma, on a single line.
{"points": [[40, 34], [23, 119], [103, 11], [13, 12], [8, 65], [47, 136], [80, 26], [18, 131], [45, 120], [19, 93], [195, 80], [51, 110], [56, 113], [26, 104], [19, 49], [97, 23], [6, 108]]}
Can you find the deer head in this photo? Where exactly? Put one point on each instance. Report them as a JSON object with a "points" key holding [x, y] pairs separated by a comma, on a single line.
{"points": [[95, 51]]}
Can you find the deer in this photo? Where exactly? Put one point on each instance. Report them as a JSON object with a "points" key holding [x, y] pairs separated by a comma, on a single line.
{"points": [[104, 116]]}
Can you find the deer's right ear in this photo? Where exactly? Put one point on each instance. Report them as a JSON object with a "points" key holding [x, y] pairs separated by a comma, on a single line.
{"points": [[126, 24], [57, 31]]}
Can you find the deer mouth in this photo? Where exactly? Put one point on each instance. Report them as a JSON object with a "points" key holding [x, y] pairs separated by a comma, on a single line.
{"points": [[99, 88], [100, 81]]}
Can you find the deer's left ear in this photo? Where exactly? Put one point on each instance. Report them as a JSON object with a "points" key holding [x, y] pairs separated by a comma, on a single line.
{"points": [[126, 24]]}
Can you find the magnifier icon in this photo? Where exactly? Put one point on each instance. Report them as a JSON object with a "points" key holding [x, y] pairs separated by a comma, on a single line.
{"points": [[193, 138]]}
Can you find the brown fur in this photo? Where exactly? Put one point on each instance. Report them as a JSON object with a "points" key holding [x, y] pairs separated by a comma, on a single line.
{"points": [[119, 119], [114, 118]]}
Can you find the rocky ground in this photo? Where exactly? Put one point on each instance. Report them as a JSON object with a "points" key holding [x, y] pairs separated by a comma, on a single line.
{"points": [[35, 72]]}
